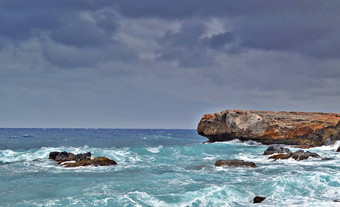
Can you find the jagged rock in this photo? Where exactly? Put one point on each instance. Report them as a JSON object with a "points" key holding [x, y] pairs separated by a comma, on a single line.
{"points": [[298, 155], [258, 199], [97, 161], [307, 129], [302, 155], [276, 149], [234, 163], [338, 150], [65, 156], [82, 159]]}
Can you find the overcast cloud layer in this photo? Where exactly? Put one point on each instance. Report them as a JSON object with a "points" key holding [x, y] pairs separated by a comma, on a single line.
{"points": [[163, 64]]}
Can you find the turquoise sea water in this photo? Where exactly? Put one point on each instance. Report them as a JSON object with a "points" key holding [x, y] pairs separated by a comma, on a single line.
{"points": [[157, 168]]}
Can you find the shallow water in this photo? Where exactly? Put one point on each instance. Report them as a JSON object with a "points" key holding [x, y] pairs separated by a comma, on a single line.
{"points": [[157, 168]]}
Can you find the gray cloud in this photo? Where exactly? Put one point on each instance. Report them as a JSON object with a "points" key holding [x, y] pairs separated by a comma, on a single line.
{"points": [[164, 63]]}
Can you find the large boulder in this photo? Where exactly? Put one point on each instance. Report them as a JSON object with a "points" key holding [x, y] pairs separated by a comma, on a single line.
{"points": [[306, 129], [234, 163]]}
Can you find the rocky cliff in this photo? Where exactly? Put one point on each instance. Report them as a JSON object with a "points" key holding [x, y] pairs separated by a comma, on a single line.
{"points": [[306, 129]]}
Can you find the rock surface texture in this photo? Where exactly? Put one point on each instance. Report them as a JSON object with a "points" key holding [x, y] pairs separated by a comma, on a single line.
{"points": [[82, 159], [234, 163], [306, 129]]}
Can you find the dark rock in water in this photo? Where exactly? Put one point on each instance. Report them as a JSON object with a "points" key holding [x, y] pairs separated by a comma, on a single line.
{"points": [[234, 163], [338, 150], [276, 149], [65, 156], [84, 156], [82, 159], [258, 199], [280, 156], [302, 155], [97, 161], [336, 200], [298, 155], [306, 129], [327, 158], [53, 155]]}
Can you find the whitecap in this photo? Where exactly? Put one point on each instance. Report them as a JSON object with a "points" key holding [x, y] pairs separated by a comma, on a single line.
{"points": [[155, 150]]}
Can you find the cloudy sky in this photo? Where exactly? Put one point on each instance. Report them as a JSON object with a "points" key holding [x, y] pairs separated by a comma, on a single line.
{"points": [[163, 64]]}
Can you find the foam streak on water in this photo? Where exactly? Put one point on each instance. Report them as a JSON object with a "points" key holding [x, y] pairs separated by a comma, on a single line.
{"points": [[157, 168]]}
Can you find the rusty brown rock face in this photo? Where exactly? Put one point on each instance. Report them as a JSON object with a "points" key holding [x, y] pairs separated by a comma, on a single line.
{"points": [[306, 129]]}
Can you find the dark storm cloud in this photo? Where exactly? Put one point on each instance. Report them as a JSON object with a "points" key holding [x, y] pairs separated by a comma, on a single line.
{"points": [[306, 27]]}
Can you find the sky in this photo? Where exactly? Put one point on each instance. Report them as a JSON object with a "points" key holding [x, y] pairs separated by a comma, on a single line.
{"points": [[163, 64]]}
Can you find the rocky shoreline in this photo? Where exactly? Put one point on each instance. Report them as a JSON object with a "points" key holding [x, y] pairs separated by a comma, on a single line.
{"points": [[305, 129]]}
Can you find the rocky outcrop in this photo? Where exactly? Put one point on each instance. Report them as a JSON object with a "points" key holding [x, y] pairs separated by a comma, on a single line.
{"points": [[97, 161], [82, 159], [306, 129], [234, 163], [65, 156], [258, 199], [298, 155]]}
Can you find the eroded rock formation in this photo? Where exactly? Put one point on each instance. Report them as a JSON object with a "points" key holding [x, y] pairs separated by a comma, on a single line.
{"points": [[306, 129]]}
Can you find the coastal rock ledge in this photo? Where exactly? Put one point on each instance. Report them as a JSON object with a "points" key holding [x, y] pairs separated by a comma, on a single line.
{"points": [[306, 129]]}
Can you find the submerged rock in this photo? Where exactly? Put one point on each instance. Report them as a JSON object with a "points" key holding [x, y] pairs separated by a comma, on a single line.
{"points": [[307, 129], [258, 199], [276, 149], [298, 155], [82, 159], [234, 163]]}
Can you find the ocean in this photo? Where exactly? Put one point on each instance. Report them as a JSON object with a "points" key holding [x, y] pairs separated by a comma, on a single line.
{"points": [[157, 167]]}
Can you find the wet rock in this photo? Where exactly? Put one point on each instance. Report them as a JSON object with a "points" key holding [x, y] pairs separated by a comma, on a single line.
{"points": [[234, 163], [336, 200], [258, 199], [97, 161], [65, 156], [338, 150], [84, 156], [276, 149], [82, 159], [298, 155], [53, 155], [280, 156], [306, 129], [302, 155]]}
